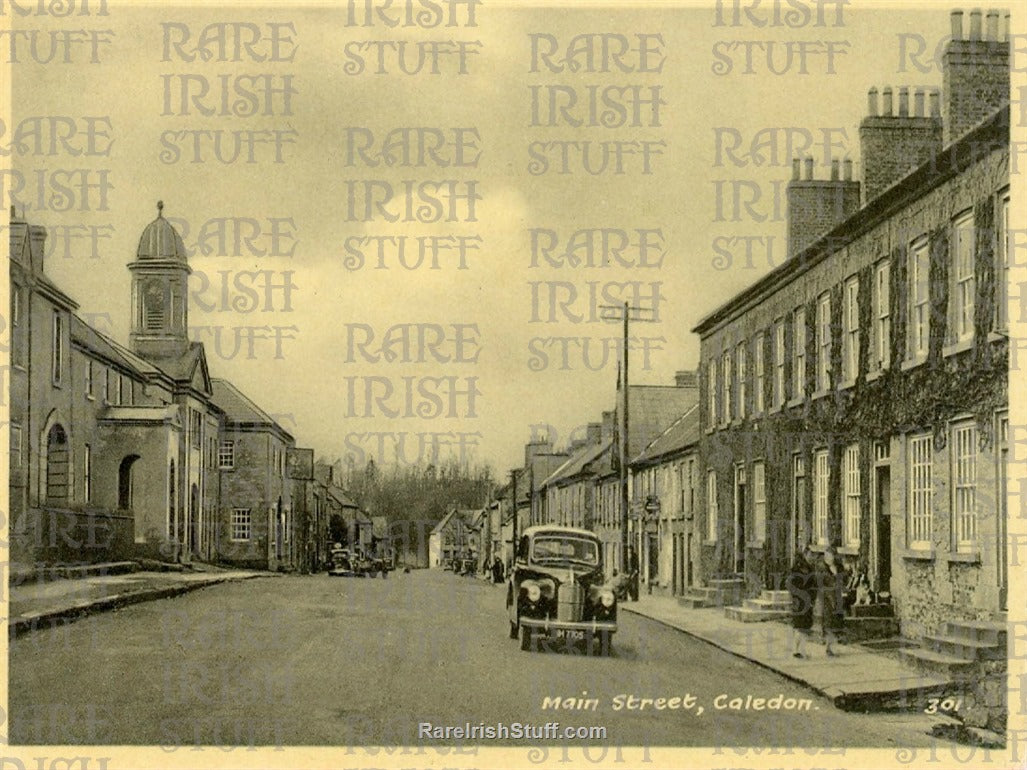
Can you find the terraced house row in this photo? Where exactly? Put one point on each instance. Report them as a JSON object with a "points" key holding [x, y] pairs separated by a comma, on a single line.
{"points": [[856, 395], [137, 451]]}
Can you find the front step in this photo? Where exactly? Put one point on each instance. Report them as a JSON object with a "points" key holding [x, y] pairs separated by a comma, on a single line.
{"points": [[750, 615], [977, 630], [772, 605], [867, 628], [872, 611], [937, 663], [961, 647]]}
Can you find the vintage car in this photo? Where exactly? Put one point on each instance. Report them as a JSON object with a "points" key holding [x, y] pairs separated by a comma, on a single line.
{"points": [[557, 589]]}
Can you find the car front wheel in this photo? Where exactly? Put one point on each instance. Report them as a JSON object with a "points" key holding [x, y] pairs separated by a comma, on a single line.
{"points": [[525, 638]]}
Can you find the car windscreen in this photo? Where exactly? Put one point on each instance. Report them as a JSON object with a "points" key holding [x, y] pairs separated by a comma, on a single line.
{"points": [[564, 549]]}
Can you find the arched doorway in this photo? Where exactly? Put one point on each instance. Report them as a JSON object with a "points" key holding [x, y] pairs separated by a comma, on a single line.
{"points": [[57, 464], [194, 521], [126, 491]]}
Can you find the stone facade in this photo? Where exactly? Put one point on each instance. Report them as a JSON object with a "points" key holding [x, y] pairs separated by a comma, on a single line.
{"points": [[857, 394]]}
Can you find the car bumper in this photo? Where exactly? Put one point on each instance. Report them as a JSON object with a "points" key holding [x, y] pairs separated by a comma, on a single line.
{"points": [[593, 626]]}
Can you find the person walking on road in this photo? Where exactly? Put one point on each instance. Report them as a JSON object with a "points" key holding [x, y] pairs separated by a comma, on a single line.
{"points": [[801, 584], [832, 580]]}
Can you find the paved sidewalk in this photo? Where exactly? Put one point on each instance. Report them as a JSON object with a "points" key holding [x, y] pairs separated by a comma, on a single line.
{"points": [[38, 605], [856, 680]]}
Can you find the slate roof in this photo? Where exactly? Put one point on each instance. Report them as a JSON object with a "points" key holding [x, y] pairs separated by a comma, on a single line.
{"points": [[682, 433], [239, 409], [651, 409]]}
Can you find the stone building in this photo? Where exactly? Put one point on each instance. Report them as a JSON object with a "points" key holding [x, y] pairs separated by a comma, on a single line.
{"points": [[257, 523], [857, 394], [114, 449], [664, 481]]}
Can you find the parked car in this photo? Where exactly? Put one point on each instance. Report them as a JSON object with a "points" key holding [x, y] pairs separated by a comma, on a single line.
{"points": [[341, 563], [557, 589]]}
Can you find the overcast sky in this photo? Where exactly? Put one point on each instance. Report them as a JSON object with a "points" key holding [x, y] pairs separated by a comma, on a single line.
{"points": [[307, 386]]}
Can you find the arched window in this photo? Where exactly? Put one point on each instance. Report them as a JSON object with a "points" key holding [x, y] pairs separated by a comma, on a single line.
{"points": [[57, 464], [125, 482], [172, 495]]}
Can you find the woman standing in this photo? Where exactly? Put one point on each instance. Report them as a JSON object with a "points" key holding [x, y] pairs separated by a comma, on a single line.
{"points": [[832, 581], [802, 587]]}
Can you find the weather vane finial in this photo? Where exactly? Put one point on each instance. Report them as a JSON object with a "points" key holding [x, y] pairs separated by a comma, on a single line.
{"points": [[160, 208]]}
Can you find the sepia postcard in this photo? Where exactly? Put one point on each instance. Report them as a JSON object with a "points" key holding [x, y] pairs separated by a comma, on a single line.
{"points": [[487, 384]]}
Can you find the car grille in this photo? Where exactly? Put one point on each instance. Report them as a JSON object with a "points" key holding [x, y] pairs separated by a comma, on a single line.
{"points": [[570, 600]]}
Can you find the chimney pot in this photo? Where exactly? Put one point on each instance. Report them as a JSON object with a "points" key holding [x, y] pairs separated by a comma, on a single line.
{"points": [[847, 170], [956, 20], [935, 99], [1003, 34], [872, 102], [975, 24], [886, 101], [904, 102], [795, 168], [12, 211], [809, 168], [991, 28], [918, 103], [834, 170]]}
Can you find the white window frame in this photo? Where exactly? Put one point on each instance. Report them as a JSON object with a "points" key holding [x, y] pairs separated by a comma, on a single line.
{"points": [[799, 353], [824, 342], [711, 389], [850, 338], [712, 506], [920, 516], [1002, 248], [778, 395], [821, 501], [851, 496], [241, 525], [759, 501], [117, 388], [17, 356], [89, 378], [741, 363], [759, 384], [106, 385], [727, 382], [963, 292], [919, 300], [882, 317], [963, 448], [226, 455]]}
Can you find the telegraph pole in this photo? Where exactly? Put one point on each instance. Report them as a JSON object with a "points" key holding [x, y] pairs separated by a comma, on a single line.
{"points": [[513, 528], [624, 314]]}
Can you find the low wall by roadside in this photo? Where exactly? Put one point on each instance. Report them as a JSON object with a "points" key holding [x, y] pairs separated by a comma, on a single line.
{"points": [[71, 536]]}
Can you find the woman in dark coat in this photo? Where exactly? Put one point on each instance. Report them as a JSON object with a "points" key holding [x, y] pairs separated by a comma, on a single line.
{"points": [[801, 584], [832, 581]]}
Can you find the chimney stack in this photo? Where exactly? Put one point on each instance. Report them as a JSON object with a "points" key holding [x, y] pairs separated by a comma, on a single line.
{"points": [[815, 205], [893, 145], [686, 378], [975, 73], [594, 433]]}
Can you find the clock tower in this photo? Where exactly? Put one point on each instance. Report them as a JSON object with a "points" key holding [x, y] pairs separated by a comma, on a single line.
{"points": [[160, 306]]}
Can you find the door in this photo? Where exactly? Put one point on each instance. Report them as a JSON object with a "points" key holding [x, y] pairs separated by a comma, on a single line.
{"points": [[1002, 510], [654, 558], [797, 537], [740, 520], [882, 532], [690, 575], [194, 521]]}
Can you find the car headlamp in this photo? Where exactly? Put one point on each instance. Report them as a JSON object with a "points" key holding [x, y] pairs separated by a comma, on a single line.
{"points": [[606, 597], [534, 592]]}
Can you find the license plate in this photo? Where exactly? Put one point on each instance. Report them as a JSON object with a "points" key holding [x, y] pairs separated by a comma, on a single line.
{"points": [[572, 634]]}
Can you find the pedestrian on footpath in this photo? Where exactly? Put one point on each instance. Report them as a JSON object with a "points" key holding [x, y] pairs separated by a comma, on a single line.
{"points": [[832, 581], [801, 584]]}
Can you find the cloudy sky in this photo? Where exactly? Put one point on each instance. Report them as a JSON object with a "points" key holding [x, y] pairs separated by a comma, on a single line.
{"points": [[696, 67]]}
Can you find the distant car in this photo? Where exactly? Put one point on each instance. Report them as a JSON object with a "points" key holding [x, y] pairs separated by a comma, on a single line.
{"points": [[342, 565], [557, 589]]}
